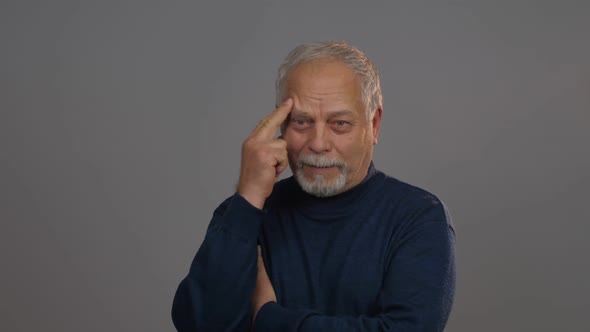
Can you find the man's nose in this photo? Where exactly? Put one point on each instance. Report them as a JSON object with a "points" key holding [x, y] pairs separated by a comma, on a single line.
{"points": [[319, 142]]}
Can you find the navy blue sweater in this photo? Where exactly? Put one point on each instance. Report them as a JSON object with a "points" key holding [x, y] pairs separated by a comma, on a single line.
{"points": [[378, 257]]}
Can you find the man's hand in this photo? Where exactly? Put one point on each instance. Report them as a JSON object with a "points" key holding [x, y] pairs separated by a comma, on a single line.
{"points": [[264, 292], [264, 157]]}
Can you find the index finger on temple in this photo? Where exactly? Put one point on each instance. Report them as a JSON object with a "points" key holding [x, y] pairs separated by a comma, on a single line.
{"points": [[274, 120]]}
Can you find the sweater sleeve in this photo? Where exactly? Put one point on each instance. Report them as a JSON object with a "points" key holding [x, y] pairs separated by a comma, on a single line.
{"points": [[216, 295], [417, 293]]}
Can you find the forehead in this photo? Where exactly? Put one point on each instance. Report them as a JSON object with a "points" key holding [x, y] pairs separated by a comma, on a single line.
{"points": [[324, 81]]}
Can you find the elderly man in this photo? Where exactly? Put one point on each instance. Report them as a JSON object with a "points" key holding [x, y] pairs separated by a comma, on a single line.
{"points": [[339, 246]]}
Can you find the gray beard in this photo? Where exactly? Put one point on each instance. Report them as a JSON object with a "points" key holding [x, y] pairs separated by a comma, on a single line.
{"points": [[319, 186]]}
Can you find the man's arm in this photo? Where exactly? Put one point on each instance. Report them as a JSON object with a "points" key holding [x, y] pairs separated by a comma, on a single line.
{"points": [[417, 294], [216, 295]]}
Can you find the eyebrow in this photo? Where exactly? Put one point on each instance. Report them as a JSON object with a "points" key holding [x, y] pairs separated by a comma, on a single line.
{"points": [[297, 112]]}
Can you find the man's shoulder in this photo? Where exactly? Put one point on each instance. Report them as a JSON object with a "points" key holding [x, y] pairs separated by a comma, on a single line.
{"points": [[412, 199], [408, 191]]}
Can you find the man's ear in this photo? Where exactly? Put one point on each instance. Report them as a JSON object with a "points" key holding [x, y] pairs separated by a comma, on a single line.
{"points": [[376, 122]]}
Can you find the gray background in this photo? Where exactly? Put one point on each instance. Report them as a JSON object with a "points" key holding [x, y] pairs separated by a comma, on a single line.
{"points": [[121, 125]]}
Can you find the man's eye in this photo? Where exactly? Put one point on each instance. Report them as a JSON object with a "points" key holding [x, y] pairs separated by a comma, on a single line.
{"points": [[341, 123], [299, 122]]}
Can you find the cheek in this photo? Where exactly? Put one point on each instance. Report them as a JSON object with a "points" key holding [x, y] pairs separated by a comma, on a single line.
{"points": [[352, 148], [347, 146], [294, 143]]}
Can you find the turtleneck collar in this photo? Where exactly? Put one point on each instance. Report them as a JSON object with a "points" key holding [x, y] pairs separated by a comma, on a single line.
{"points": [[334, 207]]}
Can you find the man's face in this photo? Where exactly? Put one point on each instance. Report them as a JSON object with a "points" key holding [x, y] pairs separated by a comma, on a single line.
{"points": [[329, 138]]}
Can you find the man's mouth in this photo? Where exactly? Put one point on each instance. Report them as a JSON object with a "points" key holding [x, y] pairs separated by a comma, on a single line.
{"points": [[320, 168], [314, 166]]}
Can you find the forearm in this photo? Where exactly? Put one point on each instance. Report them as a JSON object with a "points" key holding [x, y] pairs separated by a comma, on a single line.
{"points": [[273, 317]]}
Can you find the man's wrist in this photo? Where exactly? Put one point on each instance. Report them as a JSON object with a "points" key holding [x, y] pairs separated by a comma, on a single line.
{"points": [[254, 200]]}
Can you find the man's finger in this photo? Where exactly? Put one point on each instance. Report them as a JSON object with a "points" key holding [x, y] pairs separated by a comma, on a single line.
{"points": [[279, 169], [268, 126], [282, 161]]}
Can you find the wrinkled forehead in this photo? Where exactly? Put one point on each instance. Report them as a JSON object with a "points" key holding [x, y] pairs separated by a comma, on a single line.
{"points": [[322, 81]]}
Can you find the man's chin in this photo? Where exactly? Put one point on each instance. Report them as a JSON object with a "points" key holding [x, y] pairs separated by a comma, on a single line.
{"points": [[320, 186]]}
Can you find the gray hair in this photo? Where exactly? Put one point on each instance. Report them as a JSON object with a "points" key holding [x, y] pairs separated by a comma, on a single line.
{"points": [[338, 50]]}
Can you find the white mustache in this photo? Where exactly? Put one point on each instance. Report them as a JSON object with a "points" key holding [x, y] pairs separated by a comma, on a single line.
{"points": [[319, 161]]}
